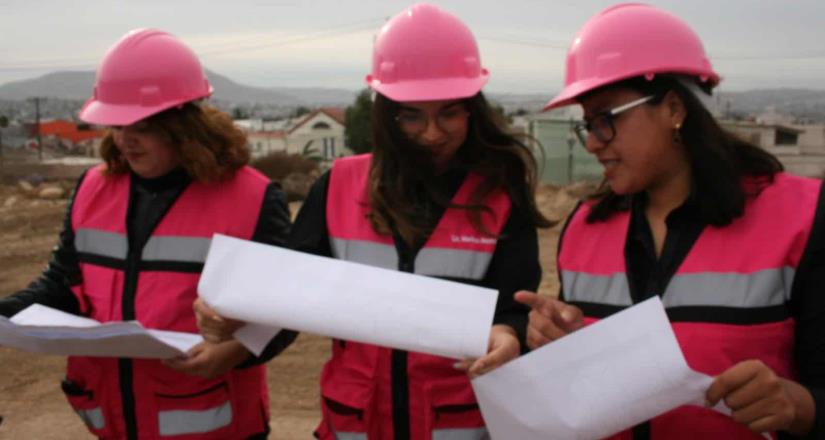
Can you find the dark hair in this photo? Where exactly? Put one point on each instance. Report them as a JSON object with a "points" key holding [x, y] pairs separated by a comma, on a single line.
{"points": [[402, 174], [209, 145], [725, 169]]}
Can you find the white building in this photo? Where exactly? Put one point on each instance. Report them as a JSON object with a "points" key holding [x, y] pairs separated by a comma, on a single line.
{"points": [[318, 133], [800, 148]]}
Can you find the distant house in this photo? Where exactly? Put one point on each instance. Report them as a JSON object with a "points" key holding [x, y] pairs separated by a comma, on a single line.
{"points": [[318, 133], [800, 148], [812, 139], [321, 130], [776, 138], [68, 135], [262, 143]]}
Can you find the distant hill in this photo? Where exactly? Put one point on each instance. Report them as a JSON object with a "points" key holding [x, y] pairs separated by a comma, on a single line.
{"points": [[802, 103], [78, 85], [63, 85]]}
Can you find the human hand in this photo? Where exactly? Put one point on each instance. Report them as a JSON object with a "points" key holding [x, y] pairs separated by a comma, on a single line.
{"points": [[761, 400], [550, 318], [502, 348], [212, 326], [210, 360]]}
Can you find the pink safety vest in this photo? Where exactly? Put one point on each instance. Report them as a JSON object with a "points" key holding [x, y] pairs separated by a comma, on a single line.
{"points": [[165, 404], [747, 266], [356, 384]]}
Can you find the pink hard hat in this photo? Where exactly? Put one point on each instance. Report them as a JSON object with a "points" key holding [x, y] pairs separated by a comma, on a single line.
{"points": [[628, 40], [145, 72], [425, 54]]}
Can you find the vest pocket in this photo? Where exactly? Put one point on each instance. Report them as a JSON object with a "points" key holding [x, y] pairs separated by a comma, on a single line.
{"points": [[207, 412], [453, 411], [83, 400], [346, 414], [345, 422]]}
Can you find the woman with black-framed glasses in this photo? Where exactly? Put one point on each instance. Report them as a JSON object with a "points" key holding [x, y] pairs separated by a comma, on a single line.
{"points": [[734, 246]]}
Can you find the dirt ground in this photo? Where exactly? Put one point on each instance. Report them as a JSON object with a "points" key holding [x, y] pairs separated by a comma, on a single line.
{"points": [[31, 403]]}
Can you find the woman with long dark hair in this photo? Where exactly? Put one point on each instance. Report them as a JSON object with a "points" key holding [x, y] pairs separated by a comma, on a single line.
{"points": [[447, 192], [688, 212]]}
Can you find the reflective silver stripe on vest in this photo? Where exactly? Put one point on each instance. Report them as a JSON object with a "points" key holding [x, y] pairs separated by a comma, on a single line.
{"points": [[439, 262], [365, 252], [92, 417], [103, 243], [456, 263], [350, 436], [180, 422], [169, 248], [158, 248], [461, 434], [769, 287], [602, 289]]}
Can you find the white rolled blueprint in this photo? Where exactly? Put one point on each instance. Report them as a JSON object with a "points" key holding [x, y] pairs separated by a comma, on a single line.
{"points": [[600, 380], [42, 329], [275, 288]]}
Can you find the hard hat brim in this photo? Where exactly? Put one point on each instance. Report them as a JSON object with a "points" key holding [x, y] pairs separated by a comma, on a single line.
{"points": [[430, 89], [99, 113], [570, 94]]}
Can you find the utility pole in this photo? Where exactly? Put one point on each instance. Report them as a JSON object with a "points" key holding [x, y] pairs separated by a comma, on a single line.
{"points": [[4, 122], [37, 127]]}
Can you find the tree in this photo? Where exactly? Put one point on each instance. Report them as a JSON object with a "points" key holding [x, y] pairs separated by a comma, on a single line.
{"points": [[4, 122], [239, 113], [300, 111], [358, 118]]}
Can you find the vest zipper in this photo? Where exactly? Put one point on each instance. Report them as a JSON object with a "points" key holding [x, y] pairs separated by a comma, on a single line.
{"points": [[398, 371], [127, 393]]}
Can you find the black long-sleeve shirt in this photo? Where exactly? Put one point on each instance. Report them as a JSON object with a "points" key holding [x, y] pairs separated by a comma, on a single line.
{"points": [[514, 266], [149, 200]]}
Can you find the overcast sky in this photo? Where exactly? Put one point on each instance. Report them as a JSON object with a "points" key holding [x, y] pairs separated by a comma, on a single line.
{"points": [[327, 43]]}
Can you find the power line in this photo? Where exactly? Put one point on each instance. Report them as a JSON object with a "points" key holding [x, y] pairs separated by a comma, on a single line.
{"points": [[220, 48], [528, 42], [810, 56], [300, 38]]}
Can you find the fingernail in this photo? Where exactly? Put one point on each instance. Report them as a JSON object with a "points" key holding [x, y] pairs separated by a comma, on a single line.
{"points": [[566, 315]]}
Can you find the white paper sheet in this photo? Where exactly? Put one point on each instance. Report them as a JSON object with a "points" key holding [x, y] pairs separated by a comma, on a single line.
{"points": [[277, 287], [41, 329], [600, 380]]}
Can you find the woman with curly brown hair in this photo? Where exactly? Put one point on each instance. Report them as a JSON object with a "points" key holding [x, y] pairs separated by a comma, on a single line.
{"points": [[134, 240]]}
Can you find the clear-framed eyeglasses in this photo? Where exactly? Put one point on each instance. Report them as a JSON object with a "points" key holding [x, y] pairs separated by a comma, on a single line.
{"points": [[601, 124], [414, 122]]}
